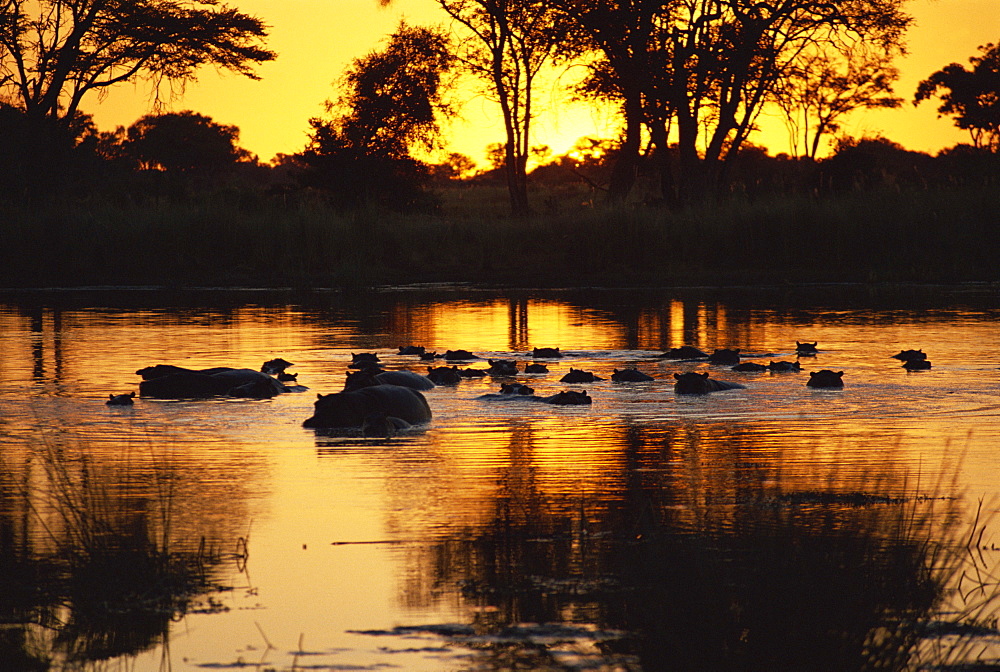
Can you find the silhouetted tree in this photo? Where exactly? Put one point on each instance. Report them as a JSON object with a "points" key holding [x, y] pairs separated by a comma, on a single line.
{"points": [[971, 96], [708, 66], [184, 141], [390, 105], [820, 90], [510, 42], [55, 52]]}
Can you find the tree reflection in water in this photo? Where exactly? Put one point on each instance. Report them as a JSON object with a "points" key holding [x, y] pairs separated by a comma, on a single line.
{"points": [[91, 565], [765, 577]]}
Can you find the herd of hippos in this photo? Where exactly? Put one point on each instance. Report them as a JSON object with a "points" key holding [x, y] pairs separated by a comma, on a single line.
{"points": [[382, 402]]}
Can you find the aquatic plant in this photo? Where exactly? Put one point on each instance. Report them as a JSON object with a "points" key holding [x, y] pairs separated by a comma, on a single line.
{"points": [[95, 569]]}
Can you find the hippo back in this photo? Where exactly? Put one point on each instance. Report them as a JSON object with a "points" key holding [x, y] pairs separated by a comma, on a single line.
{"points": [[351, 407]]}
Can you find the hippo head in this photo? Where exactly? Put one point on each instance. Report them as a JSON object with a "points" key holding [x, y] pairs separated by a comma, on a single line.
{"points": [[358, 379], [806, 348], [826, 378], [547, 353], [911, 355], [692, 383], [515, 388], [275, 366], [336, 410], [570, 398]]}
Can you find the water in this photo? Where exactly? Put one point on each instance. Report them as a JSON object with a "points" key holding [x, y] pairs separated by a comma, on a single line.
{"points": [[646, 531]]}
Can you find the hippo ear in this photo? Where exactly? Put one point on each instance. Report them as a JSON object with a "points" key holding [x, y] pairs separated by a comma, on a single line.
{"points": [[840, 374], [705, 375], [677, 375]]}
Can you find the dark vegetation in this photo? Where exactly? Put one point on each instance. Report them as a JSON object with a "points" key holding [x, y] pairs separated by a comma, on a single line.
{"points": [[872, 212], [681, 197]]}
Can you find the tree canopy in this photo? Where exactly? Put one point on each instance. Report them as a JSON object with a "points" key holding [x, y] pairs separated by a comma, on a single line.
{"points": [[55, 52], [183, 141], [972, 97]]}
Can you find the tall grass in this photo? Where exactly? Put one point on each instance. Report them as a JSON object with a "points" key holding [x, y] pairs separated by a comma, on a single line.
{"points": [[94, 568], [299, 241]]}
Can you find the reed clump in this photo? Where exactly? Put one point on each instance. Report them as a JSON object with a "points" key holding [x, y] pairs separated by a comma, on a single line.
{"points": [[261, 239], [93, 567]]}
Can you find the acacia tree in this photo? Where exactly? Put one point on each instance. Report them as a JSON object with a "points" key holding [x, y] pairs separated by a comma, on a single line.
{"points": [[54, 52], [183, 141], [510, 41], [391, 104], [820, 90], [971, 96]]}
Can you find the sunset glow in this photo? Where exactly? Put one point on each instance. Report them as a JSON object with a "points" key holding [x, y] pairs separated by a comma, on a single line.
{"points": [[317, 40]]}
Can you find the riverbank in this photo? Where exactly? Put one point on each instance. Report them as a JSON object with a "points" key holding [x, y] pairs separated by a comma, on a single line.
{"points": [[241, 239]]}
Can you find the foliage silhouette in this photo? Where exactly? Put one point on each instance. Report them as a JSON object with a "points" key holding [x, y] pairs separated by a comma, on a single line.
{"points": [[183, 141], [54, 53], [391, 105], [972, 97]]}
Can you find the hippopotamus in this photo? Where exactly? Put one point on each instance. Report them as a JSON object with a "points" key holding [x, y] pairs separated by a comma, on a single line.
{"points": [[120, 399], [825, 378], [546, 353], [535, 367], [700, 383], [444, 375], [780, 367], [917, 364], [579, 376], [286, 377], [502, 367], [165, 381], [630, 376], [350, 407], [806, 348], [473, 373], [363, 360], [275, 366], [749, 367], [911, 355], [412, 350], [516, 388], [382, 426], [684, 352], [564, 398], [459, 355], [568, 398], [725, 356], [429, 356], [370, 377]]}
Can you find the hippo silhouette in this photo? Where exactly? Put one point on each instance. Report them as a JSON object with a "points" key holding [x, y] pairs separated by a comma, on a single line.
{"points": [[725, 356], [630, 376], [363, 360], [473, 373], [911, 355], [351, 407], [444, 375], [120, 399], [568, 398], [700, 383], [684, 352], [516, 388], [380, 425], [579, 376], [502, 367], [535, 367], [825, 378], [412, 350], [917, 364], [372, 377], [780, 367], [428, 356], [749, 367], [806, 348], [546, 353], [459, 355], [165, 381], [275, 367], [286, 377]]}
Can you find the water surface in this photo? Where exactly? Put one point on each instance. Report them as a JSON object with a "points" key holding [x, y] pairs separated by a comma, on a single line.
{"points": [[644, 531]]}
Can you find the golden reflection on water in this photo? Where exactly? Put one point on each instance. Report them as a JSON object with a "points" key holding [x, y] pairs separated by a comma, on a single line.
{"points": [[535, 485]]}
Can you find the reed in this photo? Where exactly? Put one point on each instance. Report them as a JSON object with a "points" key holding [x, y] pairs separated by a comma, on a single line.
{"points": [[300, 241]]}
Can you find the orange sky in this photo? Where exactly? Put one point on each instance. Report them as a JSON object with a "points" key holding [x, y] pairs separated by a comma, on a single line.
{"points": [[317, 39]]}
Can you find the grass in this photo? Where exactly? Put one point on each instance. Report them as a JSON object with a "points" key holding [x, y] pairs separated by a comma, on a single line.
{"points": [[92, 568], [250, 239]]}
